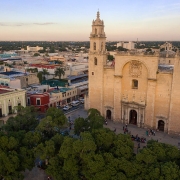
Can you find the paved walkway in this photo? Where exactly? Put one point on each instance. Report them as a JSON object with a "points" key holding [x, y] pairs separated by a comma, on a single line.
{"points": [[160, 136], [35, 174]]}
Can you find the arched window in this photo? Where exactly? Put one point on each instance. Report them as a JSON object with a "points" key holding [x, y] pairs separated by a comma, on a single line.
{"points": [[94, 46], [95, 31], [134, 84], [95, 61]]}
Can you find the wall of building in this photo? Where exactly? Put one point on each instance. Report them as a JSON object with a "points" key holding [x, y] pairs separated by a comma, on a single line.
{"points": [[162, 98], [12, 99]]}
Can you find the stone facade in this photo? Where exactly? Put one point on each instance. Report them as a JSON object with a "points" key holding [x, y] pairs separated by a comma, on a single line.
{"points": [[137, 88]]}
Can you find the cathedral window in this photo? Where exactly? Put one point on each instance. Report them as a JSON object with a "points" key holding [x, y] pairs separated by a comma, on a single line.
{"points": [[95, 61], [94, 46], [134, 84]]}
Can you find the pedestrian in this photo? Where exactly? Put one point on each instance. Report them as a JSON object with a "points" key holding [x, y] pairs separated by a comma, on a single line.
{"points": [[154, 133], [106, 122], [147, 133], [126, 125], [115, 130], [138, 145]]}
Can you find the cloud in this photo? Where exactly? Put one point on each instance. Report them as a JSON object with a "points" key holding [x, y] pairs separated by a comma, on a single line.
{"points": [[25, 24]]}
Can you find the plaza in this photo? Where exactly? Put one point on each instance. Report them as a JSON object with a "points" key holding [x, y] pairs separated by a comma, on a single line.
{"points": [[141, 132]]}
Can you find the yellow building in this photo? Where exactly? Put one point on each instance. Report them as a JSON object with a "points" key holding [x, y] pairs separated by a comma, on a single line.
{"points": [[9, 98], [137, 88]]}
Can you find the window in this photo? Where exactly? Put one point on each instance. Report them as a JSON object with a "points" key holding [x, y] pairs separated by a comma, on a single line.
{"points": [[92, 73], [28, 101], [94, 46], [26, 79], [169, 61], [38, 102], [95, 61], [134, 84]]}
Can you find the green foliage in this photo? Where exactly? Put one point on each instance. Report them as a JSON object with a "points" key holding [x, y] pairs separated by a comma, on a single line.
{"points": [[98, 153], [25, 120], [93, 121], [40, 76], [54, 121], [32, 70], [36, 54], [44, 73], [59, 72], [110, 57], [120, 48]]}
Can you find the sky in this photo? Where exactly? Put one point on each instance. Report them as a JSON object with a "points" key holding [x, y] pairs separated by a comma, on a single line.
{"points": [[71, 20]]}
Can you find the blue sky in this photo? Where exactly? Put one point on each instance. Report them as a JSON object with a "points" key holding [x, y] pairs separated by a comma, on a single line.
{"points": [[70, 20]]}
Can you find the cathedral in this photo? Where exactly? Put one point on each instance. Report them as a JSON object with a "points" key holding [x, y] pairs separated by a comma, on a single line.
{"points": [[140, 89]]}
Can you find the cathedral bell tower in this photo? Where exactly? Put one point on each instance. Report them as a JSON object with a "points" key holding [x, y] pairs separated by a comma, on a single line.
{"points": [[97, 60], [97, 36]]}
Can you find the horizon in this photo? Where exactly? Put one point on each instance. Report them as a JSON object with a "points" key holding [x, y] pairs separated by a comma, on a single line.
{"points": [[71, 21]]}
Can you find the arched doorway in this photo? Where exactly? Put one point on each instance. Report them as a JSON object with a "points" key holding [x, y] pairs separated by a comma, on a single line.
{"points": [[133, 117], [108, 114], [161, 125]]}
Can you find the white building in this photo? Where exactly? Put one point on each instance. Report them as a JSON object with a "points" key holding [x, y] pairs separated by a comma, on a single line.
{"points": [[34, 49], [127, 45]]}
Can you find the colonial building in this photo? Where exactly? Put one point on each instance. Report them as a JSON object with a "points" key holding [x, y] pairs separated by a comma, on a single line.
{"points": [[136, 89], [9, 98]]}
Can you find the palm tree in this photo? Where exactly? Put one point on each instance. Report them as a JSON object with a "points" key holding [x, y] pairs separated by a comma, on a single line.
{"points": [[45, 72], [59, 72]]}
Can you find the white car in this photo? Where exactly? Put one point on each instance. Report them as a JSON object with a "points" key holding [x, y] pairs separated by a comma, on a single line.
{"points": [[65, 108], [75, 103], [81, 100]]}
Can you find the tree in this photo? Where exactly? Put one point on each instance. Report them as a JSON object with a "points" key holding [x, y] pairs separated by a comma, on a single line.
{"points": [[110, 57], [93, 121], [58, 62], [25, 120], [120, 48], [40, 77], [59, 72], [36, 54], [54, 121], [44, 73]]}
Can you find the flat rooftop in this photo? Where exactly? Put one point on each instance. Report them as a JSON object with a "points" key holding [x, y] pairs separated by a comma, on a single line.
{"points": [[9, 73], [60, 90], [76, 77]]}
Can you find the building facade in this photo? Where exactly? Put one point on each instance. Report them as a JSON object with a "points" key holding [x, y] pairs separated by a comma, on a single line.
{"points": [[9, 98], [136, 89]]}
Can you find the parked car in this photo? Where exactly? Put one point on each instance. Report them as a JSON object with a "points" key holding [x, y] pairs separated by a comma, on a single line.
{"points": [[75, 103], [81, 100], [65, 108]]}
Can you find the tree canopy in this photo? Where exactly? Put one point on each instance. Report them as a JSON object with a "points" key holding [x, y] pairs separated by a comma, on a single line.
{"points": [[96, 153], [59, 72]]}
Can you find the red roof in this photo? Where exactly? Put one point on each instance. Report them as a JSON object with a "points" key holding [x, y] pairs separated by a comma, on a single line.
{"points": [[45, 66], [2, 91]]}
